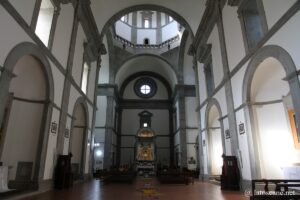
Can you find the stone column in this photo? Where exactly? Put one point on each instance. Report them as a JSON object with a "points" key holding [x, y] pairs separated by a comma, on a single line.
{"points": [[134, 30], [67, 85], [158, 29]]}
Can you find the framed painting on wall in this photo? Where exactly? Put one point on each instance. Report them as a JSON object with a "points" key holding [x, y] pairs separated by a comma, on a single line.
{"points": [[53, 127]]}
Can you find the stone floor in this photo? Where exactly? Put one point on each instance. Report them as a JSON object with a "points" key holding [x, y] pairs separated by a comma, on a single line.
{"points": [[142, 189]]}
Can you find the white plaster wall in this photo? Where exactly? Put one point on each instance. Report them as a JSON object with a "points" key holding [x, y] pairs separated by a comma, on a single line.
{"points": [[66, 148], [202, 83], [17, 147], [275, 9], [24, 8], [169, 31], [237, 86], [51, 148], [161, 92], [92, 82], [202, 113], [101, 112], [243, 152], [123, 30], [104, 70], [77, 144], [11, 35], [233, 36], [188, 71], [146, 33], [58, 82], [62, 36], [221, 98], [204, 156], [216, 56], [291, 43], [74, 95], [78, 55]]}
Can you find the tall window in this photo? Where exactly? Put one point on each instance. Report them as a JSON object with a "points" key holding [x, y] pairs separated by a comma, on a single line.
{"points": [[44, 22], [253, 21], [146, 23], [85, 75]]}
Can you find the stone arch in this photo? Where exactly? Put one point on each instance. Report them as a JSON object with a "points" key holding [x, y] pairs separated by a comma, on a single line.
{"points": [[19, 51], [80, 104], [213, 103], [286, 61], [168, 11]]}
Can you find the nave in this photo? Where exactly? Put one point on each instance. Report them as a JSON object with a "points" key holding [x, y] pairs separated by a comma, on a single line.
{"points": [[95, 190]]}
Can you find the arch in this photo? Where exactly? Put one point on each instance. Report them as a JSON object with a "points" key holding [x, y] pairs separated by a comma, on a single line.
{"points": [[145, 73], [168, 11], [168, 73], [80, 102], [26, 48], [274, 51], [213, 103], [19, 51], [286, 61]]}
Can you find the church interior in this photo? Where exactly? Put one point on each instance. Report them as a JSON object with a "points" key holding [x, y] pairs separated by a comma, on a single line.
{"points": [[195, 99]]}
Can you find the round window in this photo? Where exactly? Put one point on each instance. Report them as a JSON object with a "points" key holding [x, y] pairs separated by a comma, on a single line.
{"points": [[145, 87]]}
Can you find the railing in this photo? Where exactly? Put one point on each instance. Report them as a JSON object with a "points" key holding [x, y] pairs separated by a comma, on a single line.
{"points": [[283, 189], [147, 46]]}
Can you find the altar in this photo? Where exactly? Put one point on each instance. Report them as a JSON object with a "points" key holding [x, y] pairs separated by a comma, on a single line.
{"points": [[145, 154]]}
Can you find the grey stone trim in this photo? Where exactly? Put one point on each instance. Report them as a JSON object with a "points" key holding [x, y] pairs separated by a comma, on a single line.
{"points": [[67, 86], [35, 14], [289, 66], [53, 27], [134, 30], [14, 55], [233, 2], [81, 102], [228, 90], [145, 104], [29, 100], [107, 162], [158, 31]]}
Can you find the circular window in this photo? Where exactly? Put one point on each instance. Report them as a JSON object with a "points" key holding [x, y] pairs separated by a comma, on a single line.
{"points": [[145, 87]]}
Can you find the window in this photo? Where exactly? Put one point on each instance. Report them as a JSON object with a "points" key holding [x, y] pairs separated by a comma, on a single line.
{"points": [[253, 22], [85, 75], [124, 18], [145, 87], [145, 119], [44, 21], [146, 23]]}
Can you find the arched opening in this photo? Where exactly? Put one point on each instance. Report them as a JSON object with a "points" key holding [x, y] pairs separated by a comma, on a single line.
{"points": [[78, 140], [25, 117], [146, 41], [215, 148], [270, 94]]}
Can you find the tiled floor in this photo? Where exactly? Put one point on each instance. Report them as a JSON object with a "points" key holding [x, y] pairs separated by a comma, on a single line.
{"points": [[94, 190]]}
